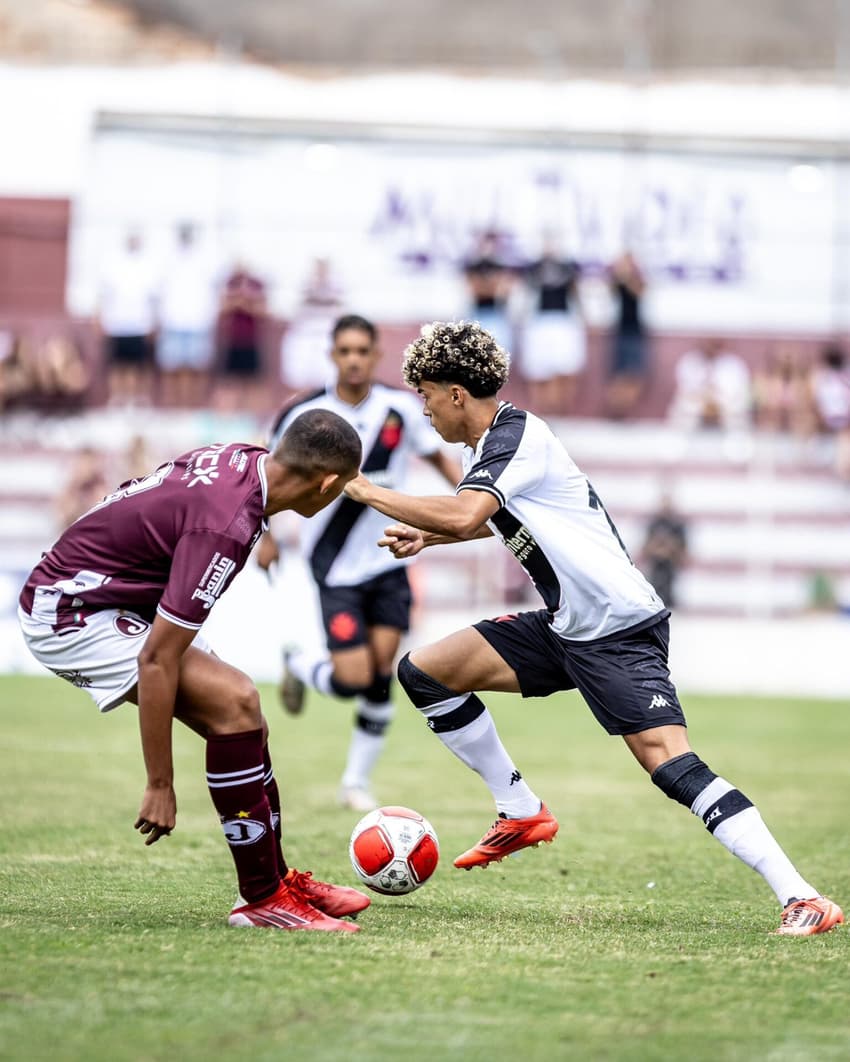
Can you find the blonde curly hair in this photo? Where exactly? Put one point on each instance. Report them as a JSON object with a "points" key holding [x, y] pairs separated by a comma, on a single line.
{"points": [[460, 352]]}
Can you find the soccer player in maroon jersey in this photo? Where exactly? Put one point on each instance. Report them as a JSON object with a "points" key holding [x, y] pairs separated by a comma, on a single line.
{"points": [[116, 606]]}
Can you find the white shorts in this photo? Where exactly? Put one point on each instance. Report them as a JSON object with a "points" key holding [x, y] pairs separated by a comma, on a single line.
{"points": [[554, 344], [101, 658]]}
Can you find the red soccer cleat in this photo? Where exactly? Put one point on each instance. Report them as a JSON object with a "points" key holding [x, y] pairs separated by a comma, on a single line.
{"points": [[510, 835], [286, 909], [333, 900], [804, 918]]}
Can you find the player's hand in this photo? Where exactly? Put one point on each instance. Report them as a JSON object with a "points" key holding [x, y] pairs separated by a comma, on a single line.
{"points": [[158, 813], [268, 553], [357, 488], [402, 541]]}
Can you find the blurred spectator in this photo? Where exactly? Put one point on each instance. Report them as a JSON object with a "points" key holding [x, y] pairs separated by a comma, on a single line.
{"points": [[780, 392], [240, 333], [712, 389], [554, 348], [489, 281], [304, 358], [126, 322], [137, 460], [829, 387], [629, 347], [86, 486], [49, 374], [63, 375], [17, 371], [186, 317], [664, 550]]}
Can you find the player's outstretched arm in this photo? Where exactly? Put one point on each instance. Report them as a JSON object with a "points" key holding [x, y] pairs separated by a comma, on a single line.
{"points": [[159, 669], [403, 541], [459, 517]]}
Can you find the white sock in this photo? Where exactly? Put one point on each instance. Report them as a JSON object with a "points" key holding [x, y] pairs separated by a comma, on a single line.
{"points": [[478, 746], [366, 744], [746, 836], [314, 670]]}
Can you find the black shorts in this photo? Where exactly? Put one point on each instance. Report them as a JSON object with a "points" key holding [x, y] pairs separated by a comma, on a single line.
{"points": [[129, 350], [349, 611], [624, 677], [241, 361]]}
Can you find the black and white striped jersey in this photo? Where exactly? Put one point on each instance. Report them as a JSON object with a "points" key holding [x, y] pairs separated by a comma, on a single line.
{"points": [[553, 522], [340, 543]]}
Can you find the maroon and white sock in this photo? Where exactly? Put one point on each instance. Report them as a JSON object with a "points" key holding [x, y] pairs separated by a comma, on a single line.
{"points": [[273, 795], [235, 776]]}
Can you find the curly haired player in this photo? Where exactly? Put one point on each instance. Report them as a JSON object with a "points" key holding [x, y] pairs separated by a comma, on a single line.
{"points": [[116, 605], [603, 630]]}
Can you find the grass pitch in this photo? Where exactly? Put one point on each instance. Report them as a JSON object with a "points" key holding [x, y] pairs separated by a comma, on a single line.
{"points": [[634, 936]]}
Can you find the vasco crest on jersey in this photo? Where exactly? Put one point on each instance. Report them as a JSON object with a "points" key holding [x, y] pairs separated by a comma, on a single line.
{"points": [[391, 431]]}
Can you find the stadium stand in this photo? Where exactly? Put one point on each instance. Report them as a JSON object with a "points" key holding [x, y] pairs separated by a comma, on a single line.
{"points": [[769, 525]]}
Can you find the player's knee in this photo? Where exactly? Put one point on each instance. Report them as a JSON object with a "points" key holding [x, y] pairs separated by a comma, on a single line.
{"points": [[347, 689], [422, 690], [245, 712], [683, 778]]}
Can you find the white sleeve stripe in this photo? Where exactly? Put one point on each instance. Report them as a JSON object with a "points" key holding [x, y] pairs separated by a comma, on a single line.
{"points": [[480, 486], [180, 622]]}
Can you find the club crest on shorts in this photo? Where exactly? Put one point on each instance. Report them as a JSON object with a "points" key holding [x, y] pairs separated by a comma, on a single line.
{"points": [[130, 626], [343, 626]]}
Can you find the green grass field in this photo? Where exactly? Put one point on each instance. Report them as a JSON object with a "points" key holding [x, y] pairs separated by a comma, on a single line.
{"points": [[634, 936]]}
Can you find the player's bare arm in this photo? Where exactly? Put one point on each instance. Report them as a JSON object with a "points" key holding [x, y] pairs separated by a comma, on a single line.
{"points": [[159, 669], [460, 517], [403, 541]]}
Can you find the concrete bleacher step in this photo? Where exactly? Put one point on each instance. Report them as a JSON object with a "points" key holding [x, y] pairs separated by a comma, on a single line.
{"points": [[760, 532]]}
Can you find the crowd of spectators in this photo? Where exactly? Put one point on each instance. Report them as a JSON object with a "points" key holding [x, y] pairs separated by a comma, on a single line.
{"points": [[186, 336], [790, 392]]}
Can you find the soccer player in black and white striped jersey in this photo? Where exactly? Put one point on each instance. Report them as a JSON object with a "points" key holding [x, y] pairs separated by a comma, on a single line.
{"points": [[603, 630], [365, 595]]}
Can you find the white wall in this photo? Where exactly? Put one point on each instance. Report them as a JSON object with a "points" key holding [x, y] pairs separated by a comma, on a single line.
{"points": [[447, 152]]}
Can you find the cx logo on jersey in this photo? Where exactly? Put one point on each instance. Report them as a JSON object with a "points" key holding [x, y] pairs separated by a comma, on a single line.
{"points": [[659, 702]]}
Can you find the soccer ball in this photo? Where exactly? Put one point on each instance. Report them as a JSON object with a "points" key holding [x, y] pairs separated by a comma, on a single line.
{"points": [[394, 850]]}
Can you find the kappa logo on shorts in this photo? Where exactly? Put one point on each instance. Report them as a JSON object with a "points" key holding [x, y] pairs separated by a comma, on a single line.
{"points": [[130, 626], [659, 702]]}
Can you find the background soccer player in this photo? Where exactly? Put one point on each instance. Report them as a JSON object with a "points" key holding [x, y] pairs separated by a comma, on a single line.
{"points": [[365, 597], [603, 630], [115, 607]]}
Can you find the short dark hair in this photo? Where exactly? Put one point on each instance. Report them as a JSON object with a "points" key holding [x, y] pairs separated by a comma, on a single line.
{"points": [[354, 320], [319, 441], [459, 352]]}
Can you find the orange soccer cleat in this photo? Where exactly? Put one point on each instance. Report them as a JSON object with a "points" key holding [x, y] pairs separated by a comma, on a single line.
{"points": [[804, 918], [286, 909], [333, 900], [510, 835]]}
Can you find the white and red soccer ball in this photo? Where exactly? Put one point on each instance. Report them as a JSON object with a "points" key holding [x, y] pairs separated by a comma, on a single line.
{"points": [[394, 850]]}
